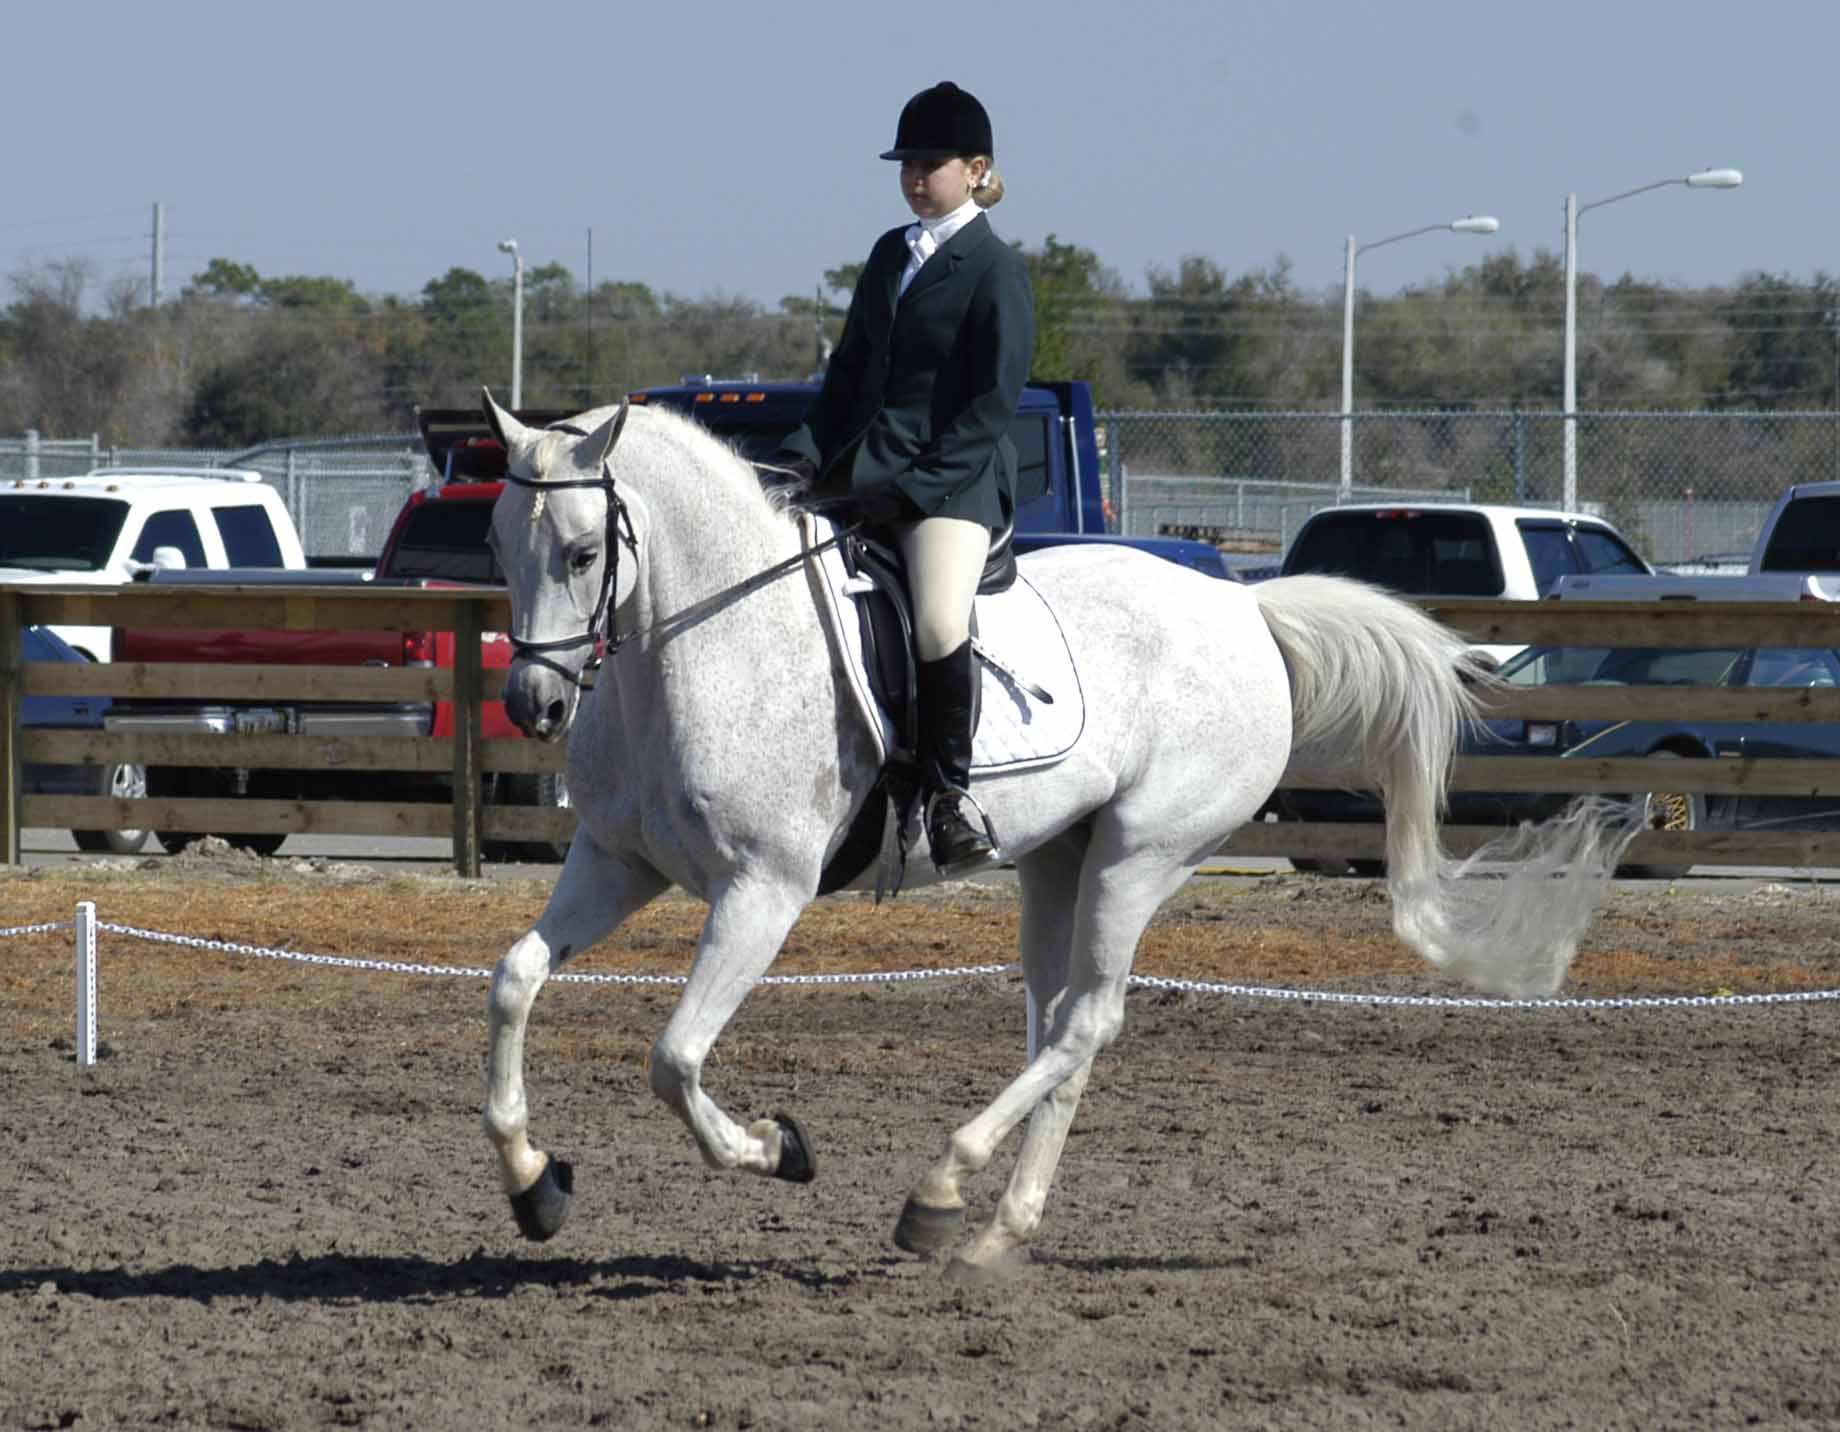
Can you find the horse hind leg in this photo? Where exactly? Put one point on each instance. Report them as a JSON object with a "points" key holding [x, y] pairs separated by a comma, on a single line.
{"points": [[594, 893], [1080, 933]]}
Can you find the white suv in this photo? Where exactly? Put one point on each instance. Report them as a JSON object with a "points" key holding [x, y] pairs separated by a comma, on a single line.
{"points": [[116, 523], [1452, 549]]}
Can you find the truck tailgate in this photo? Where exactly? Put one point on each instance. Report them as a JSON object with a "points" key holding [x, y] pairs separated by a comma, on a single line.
{"points": [[259, 647]]}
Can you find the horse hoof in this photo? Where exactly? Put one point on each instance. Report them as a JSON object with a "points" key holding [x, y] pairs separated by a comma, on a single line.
{"points": [[925, 1229], [540, 1209], [797, 1163]]}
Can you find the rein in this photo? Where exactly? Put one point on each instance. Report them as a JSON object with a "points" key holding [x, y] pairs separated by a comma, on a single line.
{"points": [[620, 530]]}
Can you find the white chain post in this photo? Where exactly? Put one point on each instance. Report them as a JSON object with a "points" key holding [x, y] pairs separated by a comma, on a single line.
{"points": [[86, 983]]}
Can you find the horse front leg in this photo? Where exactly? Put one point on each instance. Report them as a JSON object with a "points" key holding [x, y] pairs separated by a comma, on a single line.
{"points": [[749, 918], [595, 892]]}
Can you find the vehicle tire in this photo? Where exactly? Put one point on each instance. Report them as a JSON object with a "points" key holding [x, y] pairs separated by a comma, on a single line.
{"points": [[1331, 865], [123, 781], [1368, 869], [1666, 810], [265, 844], [547, 789], [166, 781]]}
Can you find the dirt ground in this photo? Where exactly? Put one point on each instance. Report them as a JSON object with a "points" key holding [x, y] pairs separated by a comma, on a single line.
{"points": [[269, 1205]]}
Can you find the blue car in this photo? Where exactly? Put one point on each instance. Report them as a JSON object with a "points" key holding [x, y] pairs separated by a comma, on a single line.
{"points": [[77, 713], [1663, 740]]}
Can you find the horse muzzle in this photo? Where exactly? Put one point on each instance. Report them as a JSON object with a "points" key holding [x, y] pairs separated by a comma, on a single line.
{"points": [[539, 700]]}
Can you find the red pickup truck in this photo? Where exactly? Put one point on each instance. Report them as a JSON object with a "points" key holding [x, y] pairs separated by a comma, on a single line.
{"points": [[438, 539]]}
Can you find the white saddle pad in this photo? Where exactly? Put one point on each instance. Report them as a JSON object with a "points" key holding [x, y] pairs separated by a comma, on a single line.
{"points": [[1017, 629]]}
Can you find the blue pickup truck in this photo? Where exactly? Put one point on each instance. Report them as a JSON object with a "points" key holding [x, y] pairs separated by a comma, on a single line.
{"points": [[1060, 502]]}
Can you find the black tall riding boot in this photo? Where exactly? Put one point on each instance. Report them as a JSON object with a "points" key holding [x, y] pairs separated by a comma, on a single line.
{"points": [[947, 713]]}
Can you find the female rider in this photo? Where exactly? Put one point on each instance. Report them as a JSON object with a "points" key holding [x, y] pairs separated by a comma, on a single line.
{"points": [[910, 427]]}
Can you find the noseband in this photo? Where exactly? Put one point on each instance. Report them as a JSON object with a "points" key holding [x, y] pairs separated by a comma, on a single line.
{"points": [[619, 530]]}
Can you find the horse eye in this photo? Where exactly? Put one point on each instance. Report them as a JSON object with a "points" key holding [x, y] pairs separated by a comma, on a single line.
{"points": [[581, 561]]}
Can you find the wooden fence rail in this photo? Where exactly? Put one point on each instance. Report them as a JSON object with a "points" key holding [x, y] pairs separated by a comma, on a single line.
{"points": [[466, 757]]}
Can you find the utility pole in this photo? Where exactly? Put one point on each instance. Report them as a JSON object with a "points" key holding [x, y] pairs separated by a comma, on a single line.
{"points": [[157, 282]]}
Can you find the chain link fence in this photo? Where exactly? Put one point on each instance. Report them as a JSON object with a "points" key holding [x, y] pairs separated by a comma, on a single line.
{"points": [[1684, 487], [343, 493]]}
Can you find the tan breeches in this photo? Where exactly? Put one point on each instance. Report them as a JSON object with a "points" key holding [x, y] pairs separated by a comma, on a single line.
{"points": [[945, 557]]}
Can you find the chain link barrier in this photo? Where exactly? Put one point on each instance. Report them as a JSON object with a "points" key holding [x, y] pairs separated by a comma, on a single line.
{"points": [[1148, 982], [1687, 488], [50, 929]]}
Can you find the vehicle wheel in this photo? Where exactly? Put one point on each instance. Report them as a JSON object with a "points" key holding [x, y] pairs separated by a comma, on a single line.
{"points": [[265, 844], [1666, 810], [547, 789], [1332, 865], [1368, 869], [124, 782]]}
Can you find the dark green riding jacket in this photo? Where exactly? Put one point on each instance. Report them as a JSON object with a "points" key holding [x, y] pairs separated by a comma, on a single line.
{"points": [[919, 393]]}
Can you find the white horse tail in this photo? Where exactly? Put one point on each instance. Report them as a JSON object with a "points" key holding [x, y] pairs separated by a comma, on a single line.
{"points": [[1380, 694]]}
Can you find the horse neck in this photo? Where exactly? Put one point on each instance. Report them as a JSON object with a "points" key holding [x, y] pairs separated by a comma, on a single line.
{"points": [[708, 526]]}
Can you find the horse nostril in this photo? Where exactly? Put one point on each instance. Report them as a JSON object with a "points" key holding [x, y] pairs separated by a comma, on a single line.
{"points": [[553, 714]]}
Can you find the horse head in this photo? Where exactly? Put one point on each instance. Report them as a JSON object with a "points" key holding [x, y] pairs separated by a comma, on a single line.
{"points": [[557, 530]]}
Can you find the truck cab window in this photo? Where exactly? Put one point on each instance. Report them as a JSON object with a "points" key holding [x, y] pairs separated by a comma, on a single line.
{"points": [[1034, 475], [173, 528], [249, 537], [1549, 551], [1603, 552]]}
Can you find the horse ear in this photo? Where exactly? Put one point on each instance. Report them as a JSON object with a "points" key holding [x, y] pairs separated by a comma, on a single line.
{"points": [[603, 438], [507, 429]]}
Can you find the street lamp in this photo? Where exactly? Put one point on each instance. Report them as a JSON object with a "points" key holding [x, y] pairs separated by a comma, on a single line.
{"points": [[1475, 224], [509, 246], [1704, 179]]}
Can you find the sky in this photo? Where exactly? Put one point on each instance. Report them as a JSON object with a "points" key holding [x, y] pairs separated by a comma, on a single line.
{"points": [[730, 149]]}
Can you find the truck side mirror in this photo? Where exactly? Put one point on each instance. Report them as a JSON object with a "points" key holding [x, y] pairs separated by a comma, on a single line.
{"points": [[168, 559]]}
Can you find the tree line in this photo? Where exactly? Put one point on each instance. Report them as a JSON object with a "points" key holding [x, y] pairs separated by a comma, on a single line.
{"points": [[239, 357]]}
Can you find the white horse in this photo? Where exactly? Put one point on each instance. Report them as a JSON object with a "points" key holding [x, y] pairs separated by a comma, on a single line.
{"points": [[719, 750]]}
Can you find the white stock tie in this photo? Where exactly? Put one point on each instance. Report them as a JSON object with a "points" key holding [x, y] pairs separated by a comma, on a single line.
{"points": [[920, 248]]}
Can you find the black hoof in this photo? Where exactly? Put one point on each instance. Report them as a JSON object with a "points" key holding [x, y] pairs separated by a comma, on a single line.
{"points": [[797, 1163], [925, 1229], [540, 1209]]}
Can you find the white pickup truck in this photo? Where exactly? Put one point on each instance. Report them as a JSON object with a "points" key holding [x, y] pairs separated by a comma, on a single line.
{"points": [[1459, 549], [116, 523]]}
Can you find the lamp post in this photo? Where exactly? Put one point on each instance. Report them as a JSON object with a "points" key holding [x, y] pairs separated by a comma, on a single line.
{"points": [[1475, 224], [509, 246], [1703, 179]]}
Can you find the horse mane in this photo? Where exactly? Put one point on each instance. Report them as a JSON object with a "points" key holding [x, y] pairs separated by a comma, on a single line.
{"points": [[688, 438]]}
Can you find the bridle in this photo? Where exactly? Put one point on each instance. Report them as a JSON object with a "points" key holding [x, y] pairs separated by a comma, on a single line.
{"points": [[620, 530]]}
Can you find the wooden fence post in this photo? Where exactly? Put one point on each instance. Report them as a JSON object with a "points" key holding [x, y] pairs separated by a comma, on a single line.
{"points": [[12, 710], [468, 753]]}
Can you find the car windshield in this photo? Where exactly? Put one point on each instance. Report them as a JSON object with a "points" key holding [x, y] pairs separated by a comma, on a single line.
{"points": [[1619, 666], [58, 534]]}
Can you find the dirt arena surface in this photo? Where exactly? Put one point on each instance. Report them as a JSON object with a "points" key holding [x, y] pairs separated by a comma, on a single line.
{"points": [[270, 1206]]}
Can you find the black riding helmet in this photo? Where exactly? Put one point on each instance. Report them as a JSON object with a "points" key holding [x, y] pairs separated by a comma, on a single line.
{"points": [[942, 120]]}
